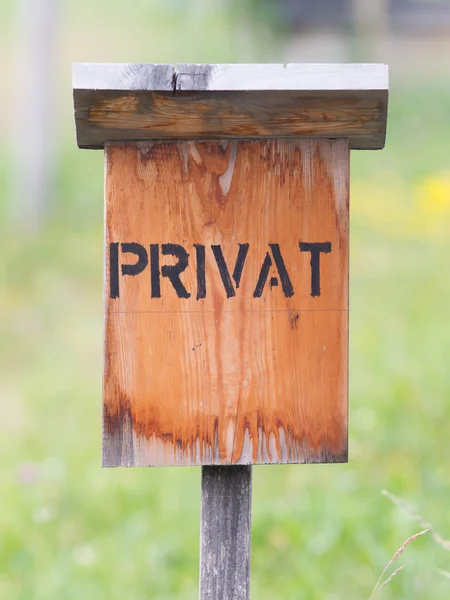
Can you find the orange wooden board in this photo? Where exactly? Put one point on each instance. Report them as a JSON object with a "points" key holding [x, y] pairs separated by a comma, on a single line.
{"points": [[226, 292]]}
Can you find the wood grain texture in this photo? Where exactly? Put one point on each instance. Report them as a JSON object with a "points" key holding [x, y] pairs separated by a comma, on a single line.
{"points": [[211, 379], [145, 102], [225, 533]]}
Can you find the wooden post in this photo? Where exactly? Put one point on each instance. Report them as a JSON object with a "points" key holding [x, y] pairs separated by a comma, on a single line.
{"points": [[225, 533], [226, 272]]}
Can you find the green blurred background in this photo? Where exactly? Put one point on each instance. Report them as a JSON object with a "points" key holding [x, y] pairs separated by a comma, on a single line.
{"points": [[71, 530]]}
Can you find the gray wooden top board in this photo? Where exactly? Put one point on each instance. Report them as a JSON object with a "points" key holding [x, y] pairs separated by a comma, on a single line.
{"points": [[122, 102]]}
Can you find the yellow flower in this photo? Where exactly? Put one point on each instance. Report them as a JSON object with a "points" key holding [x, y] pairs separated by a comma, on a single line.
{"points": [[393, 207], [433, 194]]}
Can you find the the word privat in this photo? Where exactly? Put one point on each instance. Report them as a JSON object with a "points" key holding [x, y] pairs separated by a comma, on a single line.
{"points": [[152, 258]]}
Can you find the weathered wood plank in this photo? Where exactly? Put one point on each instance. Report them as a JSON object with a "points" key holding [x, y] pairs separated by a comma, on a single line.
{"points": [[225, 533], [226, 365], [123, 77], [233, 115], [230, 101], [264, 77]]}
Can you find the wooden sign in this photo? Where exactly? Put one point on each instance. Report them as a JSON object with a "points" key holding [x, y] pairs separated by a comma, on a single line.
{"points": [[226, 272], [226, 302], [226, 259]]}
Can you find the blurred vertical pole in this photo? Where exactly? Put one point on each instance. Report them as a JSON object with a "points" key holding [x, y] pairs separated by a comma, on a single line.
{"points": [[33, 98], [370, 20]]}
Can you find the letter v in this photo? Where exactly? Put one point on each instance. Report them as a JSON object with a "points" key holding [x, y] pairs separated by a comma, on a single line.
{"points": [[223, 269]]}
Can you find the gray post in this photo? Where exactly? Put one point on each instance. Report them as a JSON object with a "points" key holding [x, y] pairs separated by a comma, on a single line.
{"points": [[225, 533]]}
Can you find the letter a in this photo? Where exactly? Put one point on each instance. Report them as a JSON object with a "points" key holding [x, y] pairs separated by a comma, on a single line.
{"points": [[286, 283]]}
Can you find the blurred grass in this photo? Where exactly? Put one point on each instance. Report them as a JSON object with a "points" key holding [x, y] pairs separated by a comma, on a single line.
{"points": [[71, 530]]}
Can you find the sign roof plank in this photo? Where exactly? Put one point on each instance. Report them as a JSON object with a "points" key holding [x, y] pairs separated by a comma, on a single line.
{"points": [[127, 102]]}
